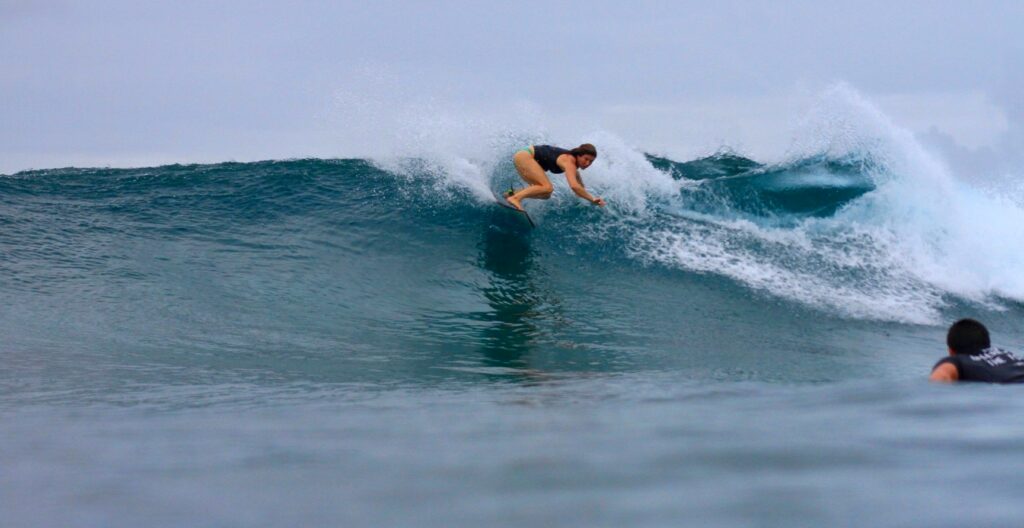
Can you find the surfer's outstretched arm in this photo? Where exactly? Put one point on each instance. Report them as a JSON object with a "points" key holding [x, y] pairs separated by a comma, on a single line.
{"points": [[577, 186]]}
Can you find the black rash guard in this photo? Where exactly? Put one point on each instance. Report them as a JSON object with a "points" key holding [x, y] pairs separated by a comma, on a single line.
{"points": [[547, 157], [991, 365]]}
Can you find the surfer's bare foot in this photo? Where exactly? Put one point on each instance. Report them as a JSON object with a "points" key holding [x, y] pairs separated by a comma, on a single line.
{"points": [[515, 202]]}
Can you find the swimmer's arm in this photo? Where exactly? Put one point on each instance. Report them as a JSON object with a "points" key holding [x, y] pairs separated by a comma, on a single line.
{"points": [[946, 373], [576, 185]]}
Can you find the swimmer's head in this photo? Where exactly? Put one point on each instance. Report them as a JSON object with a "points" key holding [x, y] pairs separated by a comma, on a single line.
{"points": [[967, 336], [585, 155]]}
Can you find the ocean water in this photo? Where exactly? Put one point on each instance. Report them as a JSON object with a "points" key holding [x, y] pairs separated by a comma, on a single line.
{"points": [[373, 342]]}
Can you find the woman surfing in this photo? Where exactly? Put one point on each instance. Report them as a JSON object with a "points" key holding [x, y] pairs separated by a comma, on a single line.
{"points": [[532, 162]]}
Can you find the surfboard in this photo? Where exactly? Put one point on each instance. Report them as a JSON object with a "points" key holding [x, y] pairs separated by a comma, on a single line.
{"points": [[502, 202]]}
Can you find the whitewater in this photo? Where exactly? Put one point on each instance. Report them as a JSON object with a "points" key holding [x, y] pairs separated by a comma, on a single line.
{"points": [[374, 342]]}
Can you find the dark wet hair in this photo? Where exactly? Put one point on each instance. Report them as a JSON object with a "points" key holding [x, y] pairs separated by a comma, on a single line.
{"points": [[583, 150], [967, 336]]}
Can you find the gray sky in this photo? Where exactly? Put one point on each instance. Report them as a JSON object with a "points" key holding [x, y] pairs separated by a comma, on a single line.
{"points": [[117, 83]]}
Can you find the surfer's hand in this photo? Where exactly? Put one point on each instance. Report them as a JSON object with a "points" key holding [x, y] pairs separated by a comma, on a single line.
{"points": [[598, 202]]}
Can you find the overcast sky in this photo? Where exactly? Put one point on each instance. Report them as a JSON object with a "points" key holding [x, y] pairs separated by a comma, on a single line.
{"points": [[120, 83]]}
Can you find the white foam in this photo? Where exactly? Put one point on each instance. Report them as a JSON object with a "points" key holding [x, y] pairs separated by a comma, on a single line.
{"points": [[893, 254], [414, 135]]}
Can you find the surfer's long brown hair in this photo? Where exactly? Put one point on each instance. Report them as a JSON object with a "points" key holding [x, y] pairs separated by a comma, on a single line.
{"points": [[583, 150]]}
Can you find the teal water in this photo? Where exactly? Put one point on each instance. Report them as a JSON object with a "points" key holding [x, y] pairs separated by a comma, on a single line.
{"points": [[342, 342]]}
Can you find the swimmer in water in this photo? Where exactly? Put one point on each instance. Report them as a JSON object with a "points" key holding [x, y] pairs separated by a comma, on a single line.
{"points": [[532, 162], [973, 358]]}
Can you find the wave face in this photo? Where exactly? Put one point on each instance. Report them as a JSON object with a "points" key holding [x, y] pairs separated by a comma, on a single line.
{"points": [[374, 245]]}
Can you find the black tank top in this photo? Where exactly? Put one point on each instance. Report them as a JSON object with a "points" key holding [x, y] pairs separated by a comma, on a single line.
{"points": [[992, 365], [547, 157]]}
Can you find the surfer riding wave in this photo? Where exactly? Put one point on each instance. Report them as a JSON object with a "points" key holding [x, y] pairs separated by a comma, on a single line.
{"points": [[535, 161]]}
